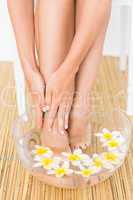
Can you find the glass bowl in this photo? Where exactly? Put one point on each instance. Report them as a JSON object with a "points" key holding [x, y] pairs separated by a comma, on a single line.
{"points": [[95, 164]]}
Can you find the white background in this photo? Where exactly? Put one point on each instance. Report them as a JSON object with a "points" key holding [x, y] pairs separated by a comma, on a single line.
{"points": [[7, 43]]}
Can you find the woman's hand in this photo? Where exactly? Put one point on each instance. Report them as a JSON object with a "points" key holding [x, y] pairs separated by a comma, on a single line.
{"points": [[59, 90], [65, 108], [37, 88]]}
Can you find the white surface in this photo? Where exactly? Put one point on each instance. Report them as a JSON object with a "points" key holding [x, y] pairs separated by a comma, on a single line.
{"points": [[112, 44], [8, 52], [130, 71], [7, 42]]}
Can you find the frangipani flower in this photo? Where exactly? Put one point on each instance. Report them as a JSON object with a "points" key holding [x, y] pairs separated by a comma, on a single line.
{"points": [[61, 170], [112, 157], [114, 144], [47, 162], [42, 151], [99, 163], [86, 172], [107, 135], [76, 157]]}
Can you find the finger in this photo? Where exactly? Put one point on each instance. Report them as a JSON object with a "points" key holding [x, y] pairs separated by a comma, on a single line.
{"points": [[35, 98], [66, 120], [44, 107], [42, 98], [53, 111], [67, 114], [39, 119], [51, 116], [61, 119], [48, 97]]}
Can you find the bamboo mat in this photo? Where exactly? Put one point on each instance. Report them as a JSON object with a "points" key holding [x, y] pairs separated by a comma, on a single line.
{"points": [[17, 184]]}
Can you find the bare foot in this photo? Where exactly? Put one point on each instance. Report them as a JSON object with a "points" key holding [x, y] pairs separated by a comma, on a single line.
{"points": [[58, 143], [53, 139], [80, 129]]}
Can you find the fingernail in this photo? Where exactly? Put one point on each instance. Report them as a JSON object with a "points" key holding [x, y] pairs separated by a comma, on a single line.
{"points": [[62, 132], [45, 108], [66, 126]]}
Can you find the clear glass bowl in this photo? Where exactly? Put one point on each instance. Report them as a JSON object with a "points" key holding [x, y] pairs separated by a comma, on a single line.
{"points": [[27, 136]]}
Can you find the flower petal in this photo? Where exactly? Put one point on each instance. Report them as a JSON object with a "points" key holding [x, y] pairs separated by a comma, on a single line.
{"points": [[50, 172], [77, 151], [37, 158], [37, 165], [65, 154], [106, 130], [66, 165]]}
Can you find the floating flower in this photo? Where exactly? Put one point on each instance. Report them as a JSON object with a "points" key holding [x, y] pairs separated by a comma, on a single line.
{"points": [[42, 151], [47, 162], [107, 135], [86, 172], [61, 171], [113, 144], [99, 163], [76, 157], [117, 135], [113, 157]]}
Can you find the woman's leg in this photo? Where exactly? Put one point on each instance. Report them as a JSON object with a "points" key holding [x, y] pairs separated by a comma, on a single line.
{"points": [[23, 25], [56, 30], [79, 129], [22, 18]]}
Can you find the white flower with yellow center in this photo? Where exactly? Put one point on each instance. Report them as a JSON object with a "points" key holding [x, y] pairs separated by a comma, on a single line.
{"points": [[75, 158], [113, 158], [61, 170], [113, 144], [46, 162], [107, 135], [42, 151], [99, 163], [86, 172]]}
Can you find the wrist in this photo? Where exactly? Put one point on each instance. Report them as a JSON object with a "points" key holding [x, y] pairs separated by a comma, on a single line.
{"points": [[31, 72], [70, 68]]}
